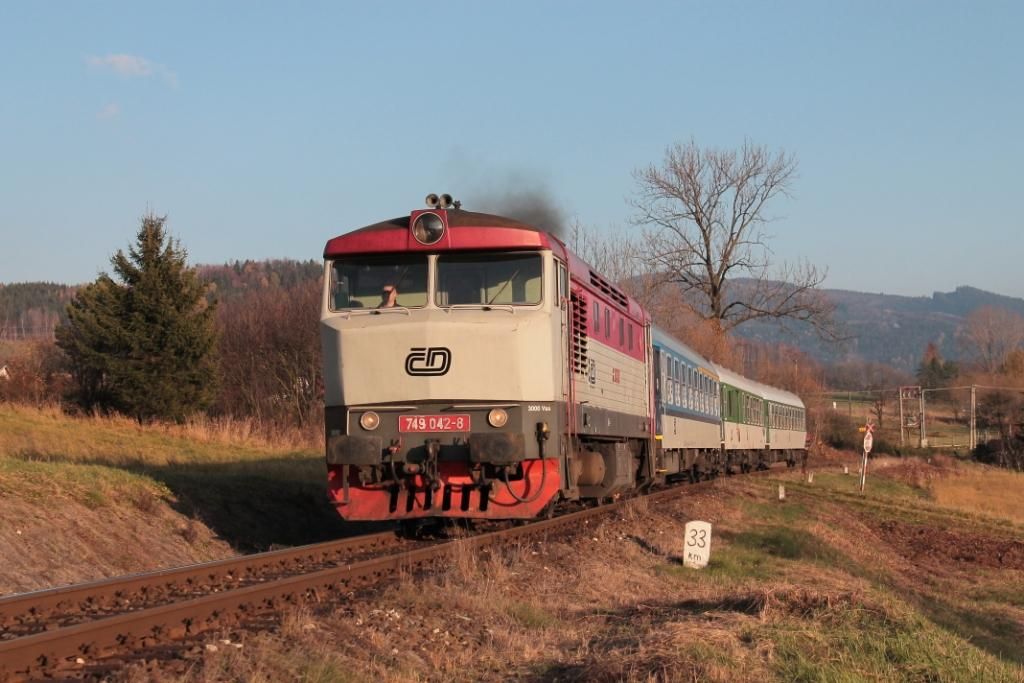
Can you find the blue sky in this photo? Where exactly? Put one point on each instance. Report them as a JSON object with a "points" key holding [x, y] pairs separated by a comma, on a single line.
{"points": [[263, 129]]}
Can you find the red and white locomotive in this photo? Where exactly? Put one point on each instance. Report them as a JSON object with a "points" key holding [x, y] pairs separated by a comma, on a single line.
{"points": [[475, 367]]}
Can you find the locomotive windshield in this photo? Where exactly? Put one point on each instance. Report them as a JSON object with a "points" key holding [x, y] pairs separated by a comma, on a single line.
{"points": [[367, 281], [486, 279]]}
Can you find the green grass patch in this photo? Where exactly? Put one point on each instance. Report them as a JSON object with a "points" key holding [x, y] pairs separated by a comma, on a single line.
{"points": [[989, 628], [787, 543], [531, 616], [779, 512], [865, 643], [876, 486], [93, 485]]}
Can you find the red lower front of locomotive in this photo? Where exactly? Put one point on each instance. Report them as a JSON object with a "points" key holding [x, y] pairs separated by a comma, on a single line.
{"points": [[456, 489], [404, 463]]}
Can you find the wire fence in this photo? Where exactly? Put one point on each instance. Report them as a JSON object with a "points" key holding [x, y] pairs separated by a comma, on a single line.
{"points": [[961, 417]]}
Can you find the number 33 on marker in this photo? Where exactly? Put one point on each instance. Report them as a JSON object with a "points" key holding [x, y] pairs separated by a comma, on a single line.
{"points": [[697, 546]]}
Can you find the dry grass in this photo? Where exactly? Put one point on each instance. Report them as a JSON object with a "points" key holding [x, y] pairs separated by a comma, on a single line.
{"points": [[49, 433], [795, 591], [983, 490]]}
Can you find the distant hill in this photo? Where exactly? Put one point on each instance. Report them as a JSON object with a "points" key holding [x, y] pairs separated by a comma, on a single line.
{"points": [[886, 328]]}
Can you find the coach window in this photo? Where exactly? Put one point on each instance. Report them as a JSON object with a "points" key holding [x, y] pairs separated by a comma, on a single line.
{"points": [[597, 316], [629, 330], [622, 332], [359, 281], [684, 389], [677, 383], [666, 378], [607, 323], [486, 279]]}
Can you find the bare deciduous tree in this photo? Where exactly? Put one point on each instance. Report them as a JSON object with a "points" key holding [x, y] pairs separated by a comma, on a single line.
{"points": [[617, 255], [703, 213], [990, 335]]}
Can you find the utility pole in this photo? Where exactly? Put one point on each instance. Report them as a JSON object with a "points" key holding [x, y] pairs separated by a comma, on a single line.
{"points": [[974, 417], [901, 417], [924, 434]]}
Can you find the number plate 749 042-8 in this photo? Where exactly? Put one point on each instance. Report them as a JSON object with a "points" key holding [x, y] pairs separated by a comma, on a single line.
{"points": [[433, 423]]}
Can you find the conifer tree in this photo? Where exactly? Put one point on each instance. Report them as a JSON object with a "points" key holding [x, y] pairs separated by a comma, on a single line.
{"points": [[143, 344]]}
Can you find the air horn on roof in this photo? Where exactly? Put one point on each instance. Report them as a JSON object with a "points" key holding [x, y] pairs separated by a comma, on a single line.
{"points": [[443, 201]]}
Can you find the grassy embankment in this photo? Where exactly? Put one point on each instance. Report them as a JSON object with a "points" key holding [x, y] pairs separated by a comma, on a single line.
{"points": [[921, 579], [82, 498]]}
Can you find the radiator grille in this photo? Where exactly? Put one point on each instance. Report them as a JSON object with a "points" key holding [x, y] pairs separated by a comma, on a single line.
{"points": [[579, 334]]}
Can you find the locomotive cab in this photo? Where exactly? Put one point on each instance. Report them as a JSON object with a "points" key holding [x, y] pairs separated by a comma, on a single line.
{"points": [[444, 367]]}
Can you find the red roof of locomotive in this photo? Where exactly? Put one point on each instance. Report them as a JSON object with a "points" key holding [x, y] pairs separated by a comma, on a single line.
{"points": [[464, 230]]}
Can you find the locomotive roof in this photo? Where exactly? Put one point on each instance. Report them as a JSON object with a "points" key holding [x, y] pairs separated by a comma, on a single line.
{"points": [[465, 230], [457, 218]]}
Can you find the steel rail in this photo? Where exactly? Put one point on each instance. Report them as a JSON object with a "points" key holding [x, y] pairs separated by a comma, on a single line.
{"points": [[88, 598]]}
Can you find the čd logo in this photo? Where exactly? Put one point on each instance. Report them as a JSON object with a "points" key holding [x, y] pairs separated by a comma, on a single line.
{"points": [[428, 361]]}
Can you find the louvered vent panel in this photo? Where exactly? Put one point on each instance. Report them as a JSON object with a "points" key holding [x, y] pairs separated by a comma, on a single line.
{"points": [[609, 290], [579, 334]]}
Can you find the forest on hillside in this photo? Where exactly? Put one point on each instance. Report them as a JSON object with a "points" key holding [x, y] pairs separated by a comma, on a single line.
{"points": [[32, 310]]}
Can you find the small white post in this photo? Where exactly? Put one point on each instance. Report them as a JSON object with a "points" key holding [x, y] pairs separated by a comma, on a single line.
{"points": [[863, 472], [782, 492], [697, 544]]}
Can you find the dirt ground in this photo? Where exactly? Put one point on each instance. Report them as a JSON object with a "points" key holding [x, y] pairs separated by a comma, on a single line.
{"points": [[51, 545], [927, 544]]}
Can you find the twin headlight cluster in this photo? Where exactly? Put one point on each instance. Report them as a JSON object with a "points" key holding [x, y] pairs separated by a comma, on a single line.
{"points": [[496, 417]]}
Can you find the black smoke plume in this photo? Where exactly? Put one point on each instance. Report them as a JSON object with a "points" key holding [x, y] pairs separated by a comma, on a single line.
{"points": [[520, 198]]}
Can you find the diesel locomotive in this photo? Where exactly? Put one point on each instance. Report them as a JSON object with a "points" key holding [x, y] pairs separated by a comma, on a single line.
{"points": [[475, 367]]}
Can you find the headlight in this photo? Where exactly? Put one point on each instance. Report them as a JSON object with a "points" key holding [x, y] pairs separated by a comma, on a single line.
{"points": [[428, 228], [497, 417], [369, 420]]}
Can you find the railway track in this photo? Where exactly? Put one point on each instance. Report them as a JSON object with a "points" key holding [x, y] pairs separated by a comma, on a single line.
{"points": [[86, 629]]}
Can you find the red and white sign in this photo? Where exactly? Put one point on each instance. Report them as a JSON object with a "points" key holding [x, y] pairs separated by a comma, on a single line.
{"points": [[869, 440], [433, 423]]}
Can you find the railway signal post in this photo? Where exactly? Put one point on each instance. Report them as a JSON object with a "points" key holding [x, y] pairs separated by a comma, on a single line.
{"points": [[869, 441]]}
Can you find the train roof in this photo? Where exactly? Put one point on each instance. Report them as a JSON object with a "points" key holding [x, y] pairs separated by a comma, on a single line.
{"points": [[665, 339], [464, 230], [768, 393]]}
